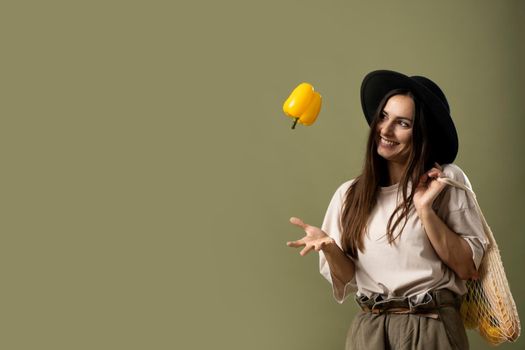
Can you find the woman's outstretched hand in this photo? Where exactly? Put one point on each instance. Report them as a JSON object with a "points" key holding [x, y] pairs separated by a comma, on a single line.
{"points": [[428, 188], [315, 238]]}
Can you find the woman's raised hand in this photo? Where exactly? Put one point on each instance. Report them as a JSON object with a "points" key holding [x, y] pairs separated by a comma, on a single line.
{"points": [[315, 238], [428, 188]]}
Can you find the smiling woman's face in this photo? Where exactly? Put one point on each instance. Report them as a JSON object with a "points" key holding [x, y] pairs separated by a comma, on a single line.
{"points": [[394, 130]]}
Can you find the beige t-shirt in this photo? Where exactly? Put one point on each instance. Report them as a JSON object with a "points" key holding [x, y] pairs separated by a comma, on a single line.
{"points": [[410, 267]]}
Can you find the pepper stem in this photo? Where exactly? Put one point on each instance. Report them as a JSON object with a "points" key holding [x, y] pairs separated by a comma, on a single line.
{"points": [[295, 123]]}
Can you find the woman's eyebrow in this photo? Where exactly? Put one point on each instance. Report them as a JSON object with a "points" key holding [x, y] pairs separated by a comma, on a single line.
{"points": [[399, 116]]}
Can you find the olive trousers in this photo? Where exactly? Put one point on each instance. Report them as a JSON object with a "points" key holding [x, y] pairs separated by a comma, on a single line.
{"points": [[382, 331]]}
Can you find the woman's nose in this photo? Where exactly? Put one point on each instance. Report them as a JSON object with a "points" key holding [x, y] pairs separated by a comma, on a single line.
{"points": [[386, 127]]}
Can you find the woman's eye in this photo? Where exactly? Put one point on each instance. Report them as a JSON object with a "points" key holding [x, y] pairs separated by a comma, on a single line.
{"points": [[404, 124]]}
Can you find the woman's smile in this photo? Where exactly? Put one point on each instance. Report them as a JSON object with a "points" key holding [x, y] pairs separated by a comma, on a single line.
{"points": [[387, 143]]}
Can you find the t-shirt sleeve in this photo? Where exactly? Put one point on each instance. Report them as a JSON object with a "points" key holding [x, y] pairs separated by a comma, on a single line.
{"points": [[457, 209], [332, 226]]}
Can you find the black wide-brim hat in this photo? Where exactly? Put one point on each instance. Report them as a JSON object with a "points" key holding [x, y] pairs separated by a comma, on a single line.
{"points": [[441, 129]]}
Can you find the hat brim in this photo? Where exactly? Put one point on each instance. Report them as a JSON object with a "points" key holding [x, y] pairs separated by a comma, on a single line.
{"points": [[442, 130]]}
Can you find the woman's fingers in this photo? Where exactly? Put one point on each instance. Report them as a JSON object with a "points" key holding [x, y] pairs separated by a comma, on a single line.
{"points": [[306, 250], [422, 180], [308, 246], [296, 244], [319, 246], [300, 243], [430, 175], [434, 172], [298, 222]]}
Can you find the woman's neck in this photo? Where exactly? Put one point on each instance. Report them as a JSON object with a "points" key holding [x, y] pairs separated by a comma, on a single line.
{"points": [[395, 172]]}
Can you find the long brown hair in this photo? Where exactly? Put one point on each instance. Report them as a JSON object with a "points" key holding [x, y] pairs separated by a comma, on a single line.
{"points": [[361, 197]]}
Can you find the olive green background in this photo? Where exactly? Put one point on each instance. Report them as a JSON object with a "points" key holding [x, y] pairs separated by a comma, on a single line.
{"points": [[148, 172]]}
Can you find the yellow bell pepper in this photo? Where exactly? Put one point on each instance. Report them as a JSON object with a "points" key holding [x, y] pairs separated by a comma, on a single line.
{"points": [[303, 104], [491, 332], [469, 313]]}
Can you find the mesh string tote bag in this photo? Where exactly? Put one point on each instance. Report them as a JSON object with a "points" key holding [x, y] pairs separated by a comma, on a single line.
{"points": [[488, 305]]}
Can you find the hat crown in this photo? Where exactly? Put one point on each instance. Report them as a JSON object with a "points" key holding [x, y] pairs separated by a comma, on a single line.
{"points": [[433, 87]]}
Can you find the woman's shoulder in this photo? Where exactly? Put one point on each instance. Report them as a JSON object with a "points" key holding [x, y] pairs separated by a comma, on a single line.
{"points": [[453, 198], [454, 172], [340, 192], [345, 186]]}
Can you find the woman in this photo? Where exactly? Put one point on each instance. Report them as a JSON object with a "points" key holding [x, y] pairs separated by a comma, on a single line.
{"points": [[395, 235]]}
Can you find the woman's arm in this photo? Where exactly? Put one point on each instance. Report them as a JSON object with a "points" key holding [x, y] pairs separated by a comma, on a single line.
{"points": [[453, 250], [342, 268]]}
